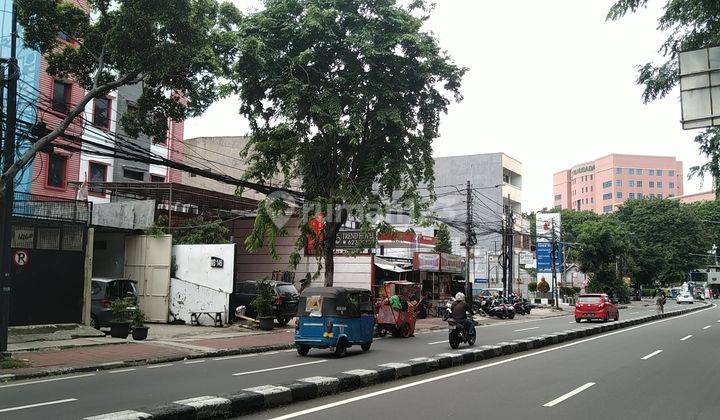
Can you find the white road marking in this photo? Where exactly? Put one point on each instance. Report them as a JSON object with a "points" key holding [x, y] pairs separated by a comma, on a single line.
{"points": [[633, 313], [278, 368], [527, 329], [572, 393], [269, 353], [706, 327], [160, 366], [122, 370], [464, 371], [194, 362], [238, 356], [23, 407], [655, 353], [62, 378], [686, 337], [437, 342]]}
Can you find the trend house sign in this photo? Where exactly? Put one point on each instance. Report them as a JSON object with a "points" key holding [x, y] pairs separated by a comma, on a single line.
{"points": [[216, 262]]}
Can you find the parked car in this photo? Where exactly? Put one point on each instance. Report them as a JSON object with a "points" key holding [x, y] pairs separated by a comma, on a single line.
{"points": [[284, 306], [595, 306], [684, 298], [105, 290]]}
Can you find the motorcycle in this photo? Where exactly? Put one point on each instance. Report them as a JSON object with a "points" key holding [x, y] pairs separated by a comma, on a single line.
{"points": [[502, 310], [457, 334]]}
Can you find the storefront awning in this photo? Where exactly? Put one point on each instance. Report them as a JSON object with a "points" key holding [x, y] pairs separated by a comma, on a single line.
{"points": [[395, 267]]}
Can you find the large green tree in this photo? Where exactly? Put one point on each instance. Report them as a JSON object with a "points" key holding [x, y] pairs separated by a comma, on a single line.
{"points": [[177, 49], [443, 239], [690, 24], [345, 97], [603, 242], [666, 238]]}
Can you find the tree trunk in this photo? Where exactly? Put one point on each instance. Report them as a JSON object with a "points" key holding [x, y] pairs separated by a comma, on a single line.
{"points": [[329, 254]]}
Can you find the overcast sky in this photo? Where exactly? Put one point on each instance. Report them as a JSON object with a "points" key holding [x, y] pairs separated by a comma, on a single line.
{"points": [[550, 84]]}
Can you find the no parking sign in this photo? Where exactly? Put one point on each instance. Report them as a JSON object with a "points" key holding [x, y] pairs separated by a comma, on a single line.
{"points": [[21, 257]]}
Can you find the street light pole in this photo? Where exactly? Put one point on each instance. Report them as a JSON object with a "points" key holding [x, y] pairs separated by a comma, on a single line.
{"points": [[9, 197]]}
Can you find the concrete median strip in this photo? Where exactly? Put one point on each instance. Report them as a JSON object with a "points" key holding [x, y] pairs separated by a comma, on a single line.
{"points": [[261, 397]]}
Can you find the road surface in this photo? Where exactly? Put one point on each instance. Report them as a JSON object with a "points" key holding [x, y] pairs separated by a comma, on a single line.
{"points": [[82, 395], [667, 369]]}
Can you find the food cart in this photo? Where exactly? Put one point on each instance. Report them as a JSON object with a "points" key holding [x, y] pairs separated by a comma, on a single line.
{"points": [[397, 308]]}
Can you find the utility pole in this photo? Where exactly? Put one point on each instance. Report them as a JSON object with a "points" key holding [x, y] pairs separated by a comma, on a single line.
{"points": [[504, 256], [468, 243], [511, 246], [7, 202], [553, 257]]}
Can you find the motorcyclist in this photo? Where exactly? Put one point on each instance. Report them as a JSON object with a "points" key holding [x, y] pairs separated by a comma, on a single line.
{"points": [[459, 311]]}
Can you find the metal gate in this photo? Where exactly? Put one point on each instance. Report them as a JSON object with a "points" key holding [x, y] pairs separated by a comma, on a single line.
{"points": [[147, 261]]}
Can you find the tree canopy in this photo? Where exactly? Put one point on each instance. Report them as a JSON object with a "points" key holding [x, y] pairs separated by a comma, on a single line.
{"points": [[344, 97], [443, 239], [690, 24], [178, 49]]}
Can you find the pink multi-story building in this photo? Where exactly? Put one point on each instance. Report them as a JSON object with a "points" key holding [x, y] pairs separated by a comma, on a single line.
{"points": [[603, 184]]}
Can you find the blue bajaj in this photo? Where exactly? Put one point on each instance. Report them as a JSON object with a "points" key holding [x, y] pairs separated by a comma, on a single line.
{"points": [[335, 318]]}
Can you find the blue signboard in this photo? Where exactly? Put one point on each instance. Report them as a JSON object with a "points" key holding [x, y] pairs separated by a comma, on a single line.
{"points": [[543, 252], [481, 281]]}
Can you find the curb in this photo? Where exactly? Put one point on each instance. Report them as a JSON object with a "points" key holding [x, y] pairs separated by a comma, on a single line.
{"points": [[262, 397]]}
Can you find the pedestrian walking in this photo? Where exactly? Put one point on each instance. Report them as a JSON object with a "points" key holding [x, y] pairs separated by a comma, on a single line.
{"points": [[660, 301]]}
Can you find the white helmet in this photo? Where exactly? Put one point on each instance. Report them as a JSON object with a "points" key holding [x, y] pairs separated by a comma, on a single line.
{"points": [[460, 296]]}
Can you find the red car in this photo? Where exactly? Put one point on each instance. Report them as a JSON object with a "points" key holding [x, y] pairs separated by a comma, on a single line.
{"points": [[595, 306]]}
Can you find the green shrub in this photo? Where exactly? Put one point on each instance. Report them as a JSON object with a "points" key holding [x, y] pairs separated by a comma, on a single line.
{"points": [[532, 286], [120, 309], [263, 302]]}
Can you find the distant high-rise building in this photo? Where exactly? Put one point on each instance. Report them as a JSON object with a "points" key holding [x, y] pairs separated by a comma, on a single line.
{"points": [[604, 183]]}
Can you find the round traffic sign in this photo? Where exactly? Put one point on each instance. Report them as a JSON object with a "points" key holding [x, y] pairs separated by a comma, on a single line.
{"points": [[21, 257]]}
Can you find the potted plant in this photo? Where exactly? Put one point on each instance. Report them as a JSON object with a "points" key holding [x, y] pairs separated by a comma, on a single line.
{"points": [[263, 304], [139, 329], [120, 324]]}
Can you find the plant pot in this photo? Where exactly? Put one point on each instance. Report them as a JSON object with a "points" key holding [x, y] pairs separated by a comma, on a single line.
{"points": [[267, 323], [119, 329], [140, 333]]}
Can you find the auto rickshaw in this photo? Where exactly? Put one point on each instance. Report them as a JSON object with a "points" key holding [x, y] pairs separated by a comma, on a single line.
{"points": [[335, 318], [397, 308]]}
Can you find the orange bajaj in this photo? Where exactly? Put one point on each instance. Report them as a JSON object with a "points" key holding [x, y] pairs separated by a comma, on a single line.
{"points": [[595, 306]]}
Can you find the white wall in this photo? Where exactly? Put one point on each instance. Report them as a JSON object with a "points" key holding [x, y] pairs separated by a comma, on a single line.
{"points": [[197, 286]]}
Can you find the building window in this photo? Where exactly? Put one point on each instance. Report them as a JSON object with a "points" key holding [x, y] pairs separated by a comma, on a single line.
{"points": [[631, 171], [652, 195], [618, 194], [506, 178], [591, 177], [618, 171], [672, 185], [592, 200], [659, 172], [133, 174], [607, 196], [101, 112], [659, 184], [660, 195], [631, 183], [61, 97], [631, 195], [618, 183], [607, 209], [591, 188], [607, 184], [97, 172], [160, 178], [638, 171], [638, 183], [640, 195], [671, 172], [651, 184], [57, 171], [651, 171]]}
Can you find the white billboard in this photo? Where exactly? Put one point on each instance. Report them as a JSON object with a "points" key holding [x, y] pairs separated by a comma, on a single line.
{"points": [[544, 223]]}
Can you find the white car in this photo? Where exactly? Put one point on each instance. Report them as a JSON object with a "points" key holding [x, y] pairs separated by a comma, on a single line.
{"points": [[684, 298]]}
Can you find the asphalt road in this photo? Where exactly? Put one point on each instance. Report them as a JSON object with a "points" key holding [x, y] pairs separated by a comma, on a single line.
{"points": [[667, 369], [81, 395]]}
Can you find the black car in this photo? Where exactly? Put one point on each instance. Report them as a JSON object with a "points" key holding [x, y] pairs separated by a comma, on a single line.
{"points": [[284, 305], [104, 291]]}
